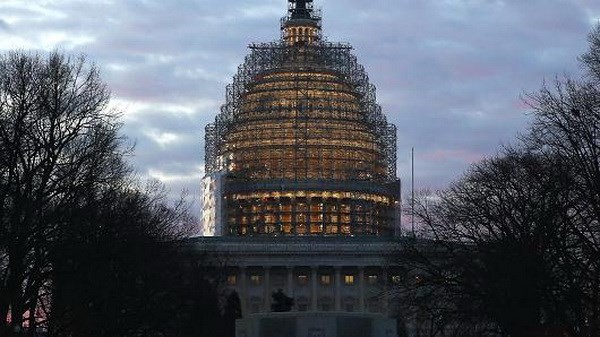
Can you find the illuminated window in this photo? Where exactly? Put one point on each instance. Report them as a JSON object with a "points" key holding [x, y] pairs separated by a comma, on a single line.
{"points": [[349, 280], [331, 229], [232, 280], [372, 279], [396, 279], [301, 229], [287, 228], [316, 228], [326, 280], [302, 279], [255, 279]]}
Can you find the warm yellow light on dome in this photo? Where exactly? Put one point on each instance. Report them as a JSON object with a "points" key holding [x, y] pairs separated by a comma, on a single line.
{"points": [[303, 145]]}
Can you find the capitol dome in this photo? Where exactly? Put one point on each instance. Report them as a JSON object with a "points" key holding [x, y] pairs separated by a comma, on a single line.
{"points": [[301, 147]]}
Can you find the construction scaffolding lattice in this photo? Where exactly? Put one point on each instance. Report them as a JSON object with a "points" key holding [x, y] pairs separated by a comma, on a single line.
{"points": [[302, 142], [290, 61]]}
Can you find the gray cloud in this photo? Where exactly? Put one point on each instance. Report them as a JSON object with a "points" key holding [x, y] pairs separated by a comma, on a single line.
{"points": [[449, 73]]}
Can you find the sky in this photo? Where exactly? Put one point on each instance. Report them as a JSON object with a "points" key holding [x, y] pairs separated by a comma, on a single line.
{"points": [[449, 73]]}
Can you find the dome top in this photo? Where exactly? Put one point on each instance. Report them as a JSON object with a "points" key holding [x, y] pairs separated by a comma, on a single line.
{"points": [[300, 9], [302, 24]]}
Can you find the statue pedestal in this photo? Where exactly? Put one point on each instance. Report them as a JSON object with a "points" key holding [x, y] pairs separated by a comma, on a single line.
{"points": [[316, 324]]}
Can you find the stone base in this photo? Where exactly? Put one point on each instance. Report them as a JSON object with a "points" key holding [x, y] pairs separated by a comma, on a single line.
{"points": [[315, 324]]}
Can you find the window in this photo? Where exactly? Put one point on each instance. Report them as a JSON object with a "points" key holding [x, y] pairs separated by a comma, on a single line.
{"points": [[349, 280], [396, 279], [255, 279], [373, 305], [301, 229], [302, 279], [231, 280], [326, 280], [372, 279]]}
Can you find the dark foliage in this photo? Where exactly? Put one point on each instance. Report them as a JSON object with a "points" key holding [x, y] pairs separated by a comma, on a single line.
{"points": [[118, 277], [84, 250], [494, 261], [231, 312], [513, 248]]}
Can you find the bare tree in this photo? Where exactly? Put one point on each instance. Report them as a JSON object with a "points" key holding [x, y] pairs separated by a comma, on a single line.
{"points": [[497, 260], [566, 125], [85, 250], [514, 245], [56, 140]]}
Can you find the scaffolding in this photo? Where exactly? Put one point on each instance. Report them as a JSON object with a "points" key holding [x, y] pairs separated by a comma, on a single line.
{"points": [[304, 145], [291, 61]]}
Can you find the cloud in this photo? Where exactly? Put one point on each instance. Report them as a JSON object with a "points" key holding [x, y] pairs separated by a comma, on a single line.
{"points": [[449, 73]]}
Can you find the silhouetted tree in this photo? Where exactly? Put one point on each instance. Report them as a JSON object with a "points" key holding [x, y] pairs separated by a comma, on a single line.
{"points": [[566, 124], [513, 247], [122, 272], [56, 141], [495, 259], [84, 249], [231, 312]]}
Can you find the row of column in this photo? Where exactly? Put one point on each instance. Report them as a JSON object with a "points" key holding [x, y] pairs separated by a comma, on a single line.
{"points": [[266, 285]]}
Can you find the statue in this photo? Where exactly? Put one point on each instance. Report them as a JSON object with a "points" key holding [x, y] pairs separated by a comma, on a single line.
{"points": [[281, 302]]}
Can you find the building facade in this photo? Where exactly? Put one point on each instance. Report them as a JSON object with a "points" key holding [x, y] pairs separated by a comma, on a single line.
{"points": [[301, 189], [326, 275], [321, 274]]}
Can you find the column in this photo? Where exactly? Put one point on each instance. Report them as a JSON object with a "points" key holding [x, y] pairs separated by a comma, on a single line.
{"points": [[386, 295], [290, 281], [243, 292], [267, 289], [313, 278], [338, 289], [361, 289]]}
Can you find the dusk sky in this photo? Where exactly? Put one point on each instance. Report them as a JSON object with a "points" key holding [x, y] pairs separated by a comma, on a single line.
{"points": [[449, 73]]}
